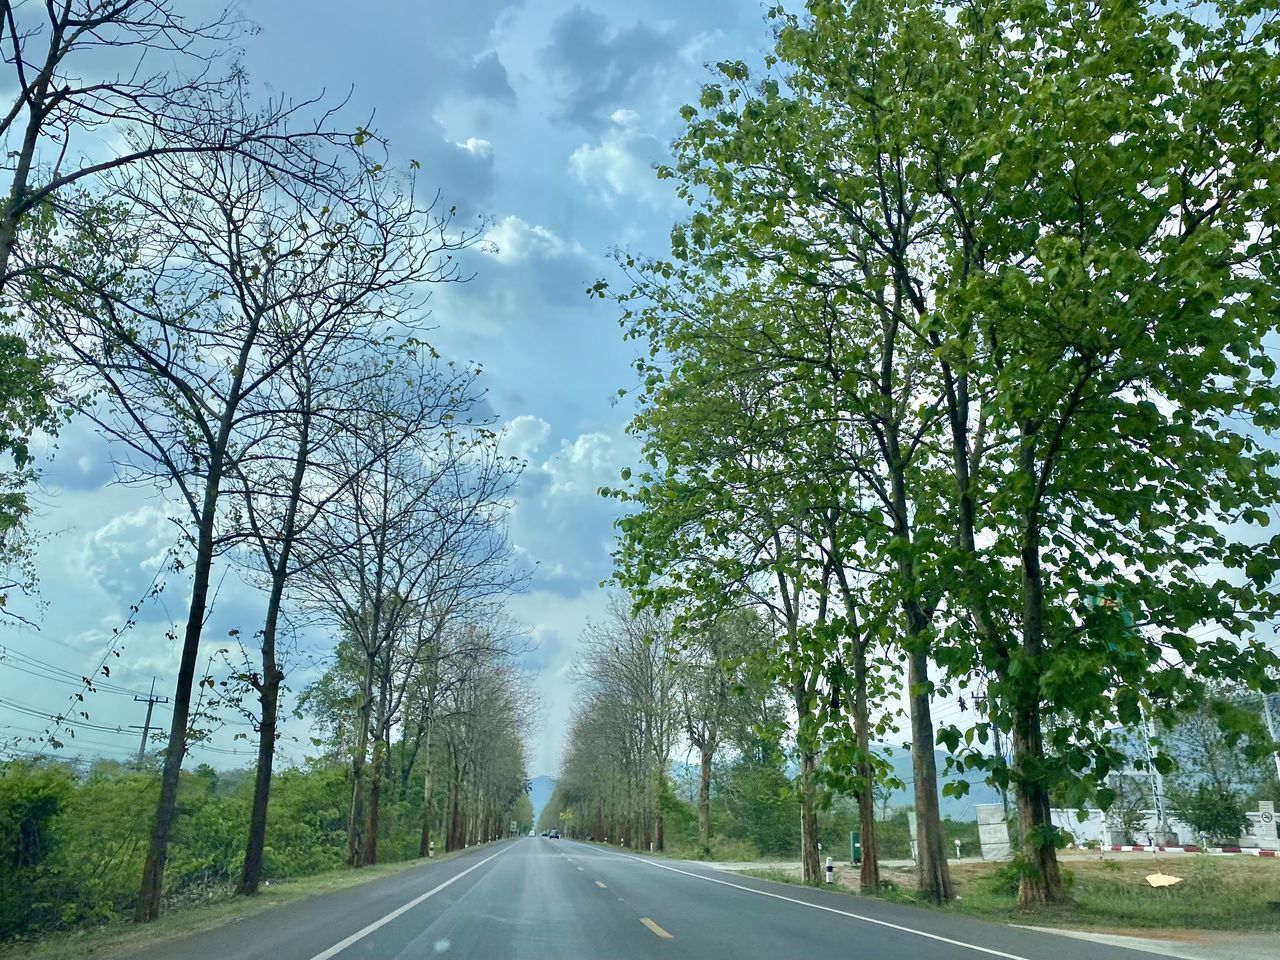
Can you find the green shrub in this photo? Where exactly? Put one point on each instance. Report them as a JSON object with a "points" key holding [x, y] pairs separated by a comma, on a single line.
{"points": [[32, 795], [1216, 812]]}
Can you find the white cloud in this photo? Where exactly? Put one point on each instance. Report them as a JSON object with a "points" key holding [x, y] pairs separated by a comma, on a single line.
{"points": [[627, 119], [584, 464], [481, 149], [513, 240], [560, 523], [136, 542], [622, 163], [525, 435], [555, 621]]}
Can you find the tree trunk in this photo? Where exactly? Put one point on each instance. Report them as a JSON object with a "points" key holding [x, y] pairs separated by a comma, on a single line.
{"points": [[931, 856], [811, 866], [148, 906], [931, 853], [1041, 880], [375, 797], [381, 757], [707, 752], [869, 875], [659, 790], [356, 823], [251, 873], [424, 848], [11, 216], [456, 838], [272, 677]]}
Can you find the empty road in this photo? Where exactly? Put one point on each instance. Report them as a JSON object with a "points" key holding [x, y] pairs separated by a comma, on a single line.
{"points": [[541, 899]]}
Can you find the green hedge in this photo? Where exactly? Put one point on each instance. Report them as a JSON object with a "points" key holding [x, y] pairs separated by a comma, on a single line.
{"points": [[72, 845]]}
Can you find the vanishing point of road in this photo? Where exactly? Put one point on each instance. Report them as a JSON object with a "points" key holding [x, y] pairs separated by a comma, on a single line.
{"points": [[542, 899]]}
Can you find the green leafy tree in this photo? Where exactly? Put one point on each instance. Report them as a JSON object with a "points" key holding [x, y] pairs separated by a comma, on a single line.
{"points": [[26, 406], [1113, 321], [1216, 812], [1059, 291]]}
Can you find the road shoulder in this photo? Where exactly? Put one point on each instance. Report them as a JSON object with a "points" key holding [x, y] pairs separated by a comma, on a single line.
{"points": [[1186, 944], [123, 938]]}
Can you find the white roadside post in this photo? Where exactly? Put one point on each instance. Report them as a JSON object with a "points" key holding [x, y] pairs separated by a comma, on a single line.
{"points": [[957, 843], [1268, 836], [831, 871]]}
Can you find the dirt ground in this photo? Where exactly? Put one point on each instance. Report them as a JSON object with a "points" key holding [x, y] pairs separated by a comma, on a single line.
{"points": [[1109, 892]]}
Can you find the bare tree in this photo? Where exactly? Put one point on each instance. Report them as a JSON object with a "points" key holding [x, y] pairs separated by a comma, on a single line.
{"points": [[432, 504], [710, 677], [450, 645], [470, 572], [483, 738], [165, 84], [630, 670], [176, 336], [285, 482]]}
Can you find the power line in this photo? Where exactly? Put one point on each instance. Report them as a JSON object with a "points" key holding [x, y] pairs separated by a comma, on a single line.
{"points": [[59, 719], [117, 634], [17, 660], [66, 681]]}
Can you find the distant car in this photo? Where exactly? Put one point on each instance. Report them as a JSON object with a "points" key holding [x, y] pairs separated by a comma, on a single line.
{"points": [[531, 833], [546, 833], [555, 834]]}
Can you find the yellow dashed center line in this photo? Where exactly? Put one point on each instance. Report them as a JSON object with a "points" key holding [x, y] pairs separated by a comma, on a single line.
{"points": [[601, 885], [654, 928]]}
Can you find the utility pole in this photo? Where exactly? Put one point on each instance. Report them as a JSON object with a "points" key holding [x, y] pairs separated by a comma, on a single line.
{"points": [[150, 700], [1157, 779], [1271, 729], [999, 744]]}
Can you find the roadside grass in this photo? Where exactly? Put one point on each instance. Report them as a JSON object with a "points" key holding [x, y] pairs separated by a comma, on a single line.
{"points": [[1108, 894], [118, 936], [778, 874]]}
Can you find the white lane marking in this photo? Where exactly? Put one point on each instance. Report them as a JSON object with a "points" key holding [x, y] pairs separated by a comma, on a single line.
{"points": [[341, 945], [844, 913], [601, 885], [579, 868]]}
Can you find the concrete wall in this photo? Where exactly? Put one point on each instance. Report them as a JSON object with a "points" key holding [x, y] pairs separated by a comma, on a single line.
{"points": [[1095, 828], [1098, 829]]}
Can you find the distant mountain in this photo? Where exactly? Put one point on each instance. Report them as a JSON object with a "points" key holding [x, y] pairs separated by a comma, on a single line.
{"points": [[684, 779], [540, 788], [960, 808]]}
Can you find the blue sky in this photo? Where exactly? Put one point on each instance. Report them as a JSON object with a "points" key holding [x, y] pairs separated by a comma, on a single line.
{"points": [[545, 117]]}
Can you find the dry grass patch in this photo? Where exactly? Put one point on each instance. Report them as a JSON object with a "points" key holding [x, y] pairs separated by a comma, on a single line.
{"points": [[1109, 893]]}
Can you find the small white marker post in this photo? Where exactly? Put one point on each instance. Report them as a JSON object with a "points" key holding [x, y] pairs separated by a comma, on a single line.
{"points": [[957, 843], [831, 871]]}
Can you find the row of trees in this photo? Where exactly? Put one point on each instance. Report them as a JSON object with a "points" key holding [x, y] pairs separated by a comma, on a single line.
{"points": [[236, 298], [643, 695], [960, 369], [460, 706]]}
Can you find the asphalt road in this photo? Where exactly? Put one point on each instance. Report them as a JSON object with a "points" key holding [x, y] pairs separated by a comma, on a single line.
{"points": [[542, 899]]}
